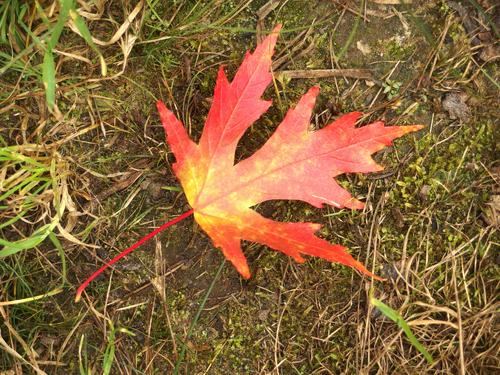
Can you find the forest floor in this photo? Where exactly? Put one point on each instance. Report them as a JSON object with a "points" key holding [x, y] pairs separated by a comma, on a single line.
{"points": [[87, 179]]}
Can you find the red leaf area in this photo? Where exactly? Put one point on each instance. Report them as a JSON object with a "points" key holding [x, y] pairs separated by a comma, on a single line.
{"points": [[294, 164]]}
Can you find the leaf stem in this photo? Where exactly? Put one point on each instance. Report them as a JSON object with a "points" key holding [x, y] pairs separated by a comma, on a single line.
{"points": [[147, 237]]}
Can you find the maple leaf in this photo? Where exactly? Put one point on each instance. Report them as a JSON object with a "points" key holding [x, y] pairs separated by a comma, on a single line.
{"points": [[294, 164]]}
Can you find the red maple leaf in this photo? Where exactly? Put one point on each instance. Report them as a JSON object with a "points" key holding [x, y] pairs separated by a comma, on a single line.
{"points": [[295, 164]]}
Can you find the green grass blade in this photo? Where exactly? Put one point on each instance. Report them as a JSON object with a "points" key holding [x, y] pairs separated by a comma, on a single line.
{"points": [[49, 78], [4, 10], [109, 353], [10, 154], [66, 5], [34, 178], [15, 62], [13, 219], [18, 187], [48, 67], [35, 239], [33, 298], [353, 32], [171, 188], [83, 362], [399, 320], [42, 14], [35, 38], [11, 248], [53, 238]]}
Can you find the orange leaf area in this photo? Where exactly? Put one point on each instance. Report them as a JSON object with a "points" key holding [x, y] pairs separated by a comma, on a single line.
{"points": [[294, 164]]}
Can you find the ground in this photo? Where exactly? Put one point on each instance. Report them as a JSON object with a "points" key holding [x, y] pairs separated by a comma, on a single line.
{"points": [[96, 171]]}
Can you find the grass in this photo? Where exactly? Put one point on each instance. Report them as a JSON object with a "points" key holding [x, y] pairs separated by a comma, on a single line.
{"points": [[80, 185], [14, 32], [34, 185], [399, 320]]}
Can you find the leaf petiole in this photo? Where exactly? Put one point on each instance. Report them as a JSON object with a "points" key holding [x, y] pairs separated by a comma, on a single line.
{"points": [[127, 251]]}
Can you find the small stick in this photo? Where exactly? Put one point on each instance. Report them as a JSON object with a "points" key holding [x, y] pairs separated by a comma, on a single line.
{"points": [[326, 73]]}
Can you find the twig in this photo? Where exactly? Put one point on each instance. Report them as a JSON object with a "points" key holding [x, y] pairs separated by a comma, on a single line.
{"points": [[326, 73]]}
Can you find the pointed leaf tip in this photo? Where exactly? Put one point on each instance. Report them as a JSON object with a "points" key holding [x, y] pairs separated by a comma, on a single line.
{"points": [[314, 91], [163, 111]]}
